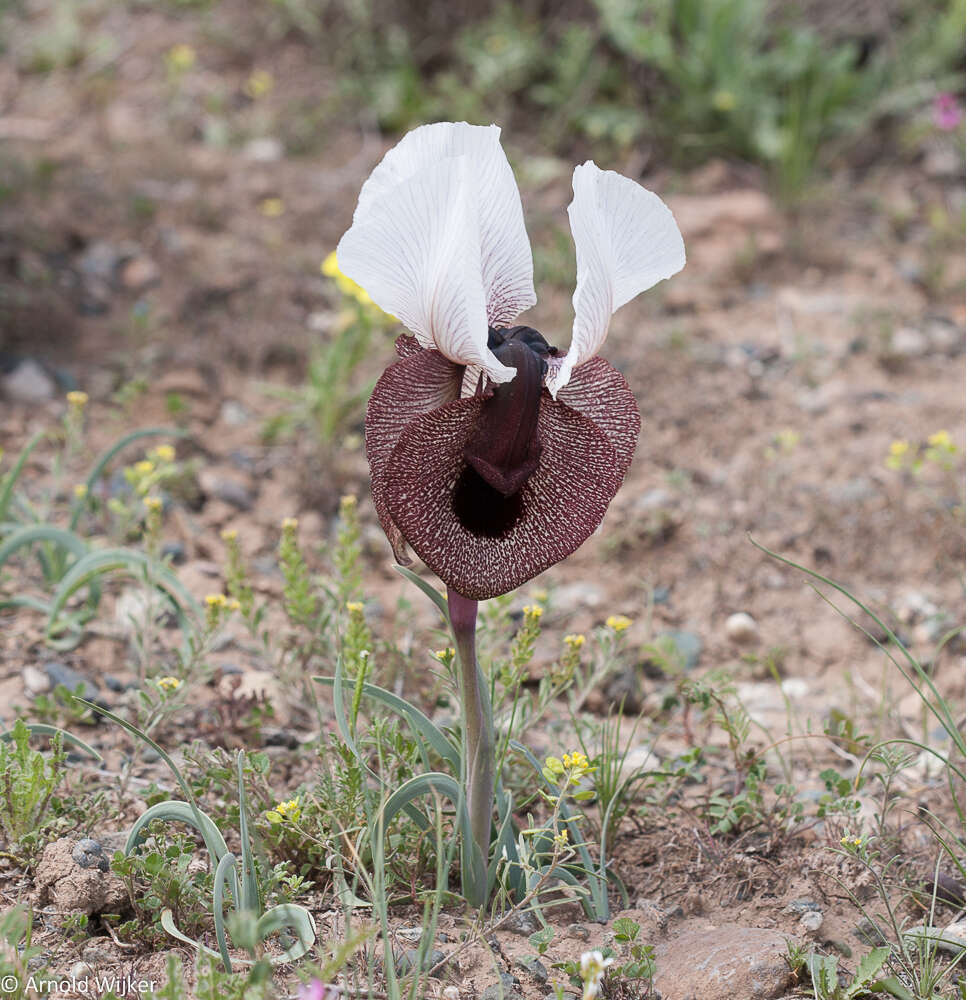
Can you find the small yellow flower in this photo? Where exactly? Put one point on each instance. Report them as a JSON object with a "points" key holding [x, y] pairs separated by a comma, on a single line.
{"points": [[533, 611], [271, 208], [80, 491], [77, 399], [290, 524], [561, 838], [619, 623], [445, 656], [168, 683], [355, 607], [144, 468], [941, 439], [153, 504], [898, 448], [576, 760], [229, 535], [180, 58], [575, 641], [216, 601], [234, 604], [164, 453], [285, 812], [259, 84]]}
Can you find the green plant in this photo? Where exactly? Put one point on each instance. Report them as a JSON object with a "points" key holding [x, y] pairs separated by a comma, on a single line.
{"points": [[823, 970], [249, 922], [28, 781], [19, 957], [68, 562]]}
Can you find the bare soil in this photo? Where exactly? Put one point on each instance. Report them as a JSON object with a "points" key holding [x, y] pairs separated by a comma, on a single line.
{"points": [[772, 376]]}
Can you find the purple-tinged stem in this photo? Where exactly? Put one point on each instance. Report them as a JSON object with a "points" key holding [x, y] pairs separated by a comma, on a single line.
{"points": [[478, 742]]}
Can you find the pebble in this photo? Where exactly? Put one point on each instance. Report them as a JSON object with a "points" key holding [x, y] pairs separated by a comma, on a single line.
{"points": [[810, 921], [406, 962], [624, 690], [175, 551], [35, 681], [233, 413], [81, 971], [140, 273], [535, 967], [686, 645], [88, 853], [60, 673], [508, 988], [908, 342], [228, 489], [99, 260], [521, 923], [264, 149], [28, 383], [741, 628], [579, 932]]}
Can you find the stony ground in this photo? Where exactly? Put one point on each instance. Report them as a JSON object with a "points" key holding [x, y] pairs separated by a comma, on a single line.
{"points": [[167, 233]]}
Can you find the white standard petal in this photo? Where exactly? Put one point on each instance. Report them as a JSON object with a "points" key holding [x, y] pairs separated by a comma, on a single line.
{"points": [[505, 257], [417, 253], [626, 241]]}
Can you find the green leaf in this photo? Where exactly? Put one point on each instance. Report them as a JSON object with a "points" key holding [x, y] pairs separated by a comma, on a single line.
{"points": [[431, 592], [893, 987], [473, 866], [40, 729], [10, 479], [430, 732], [105, 458], [294, 917], [869, 965], [226, 867], [179, 812]]}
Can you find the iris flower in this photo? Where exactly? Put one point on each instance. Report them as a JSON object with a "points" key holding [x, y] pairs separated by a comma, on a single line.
{"points": [[493, 454]]}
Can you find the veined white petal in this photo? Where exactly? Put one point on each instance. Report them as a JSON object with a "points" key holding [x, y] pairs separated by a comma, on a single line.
{"points": [[626, 241], [417, 253], [505, 258]]}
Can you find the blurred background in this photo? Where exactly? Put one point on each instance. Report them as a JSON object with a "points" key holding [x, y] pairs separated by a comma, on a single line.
{"points": [[175, 173]]}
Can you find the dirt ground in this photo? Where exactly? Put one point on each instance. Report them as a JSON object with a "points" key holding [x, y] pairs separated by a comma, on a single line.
{"points": [[772, 374]]}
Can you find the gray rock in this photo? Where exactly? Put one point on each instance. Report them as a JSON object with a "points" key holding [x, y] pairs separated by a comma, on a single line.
{"points": [[175, 551], [521, 923], [682, 648], [100, 259], [263, 150], [810, 921], [535, 967], [624, 688], [508, 988], [60, 673], [88, 853], [28, 383], [908, 342], [140, 273], [229, 489], [406, 962], [578, 931]]}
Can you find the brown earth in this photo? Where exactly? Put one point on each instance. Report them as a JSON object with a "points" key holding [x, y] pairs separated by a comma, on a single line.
{"points": [[772, 375]]}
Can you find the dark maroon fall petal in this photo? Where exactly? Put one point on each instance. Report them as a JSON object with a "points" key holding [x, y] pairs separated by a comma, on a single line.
{"points": [[407, 345], [420, 382], [477, 541], [599, 391]]}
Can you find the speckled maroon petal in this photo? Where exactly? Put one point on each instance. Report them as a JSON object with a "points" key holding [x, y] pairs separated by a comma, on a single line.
{"points": [[407, 345], [420, 382], [599, 391], [428, 482]]}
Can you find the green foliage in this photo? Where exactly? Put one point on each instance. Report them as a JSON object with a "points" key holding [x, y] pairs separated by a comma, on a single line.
{"points": [[19, 957], [28, 779]]}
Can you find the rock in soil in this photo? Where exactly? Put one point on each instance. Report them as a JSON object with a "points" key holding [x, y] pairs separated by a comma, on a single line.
{"points": [[741, 628], [75, 889], [746, 962]]}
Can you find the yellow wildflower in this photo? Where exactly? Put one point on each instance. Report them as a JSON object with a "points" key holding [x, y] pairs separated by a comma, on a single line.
{"points": [[229, 535], [216, 601], [259, 84], [164, 453], [290, 524], [77, 399], [330, 268], [575, 641], [168, 683], [355, 607], [144, 468], [898, 448], [561, 838], [533, 611], [576, 760], [272, 208], [180, 58], [153, 504], [619, 623], [80, 491], [285, 812], [941, 439]]}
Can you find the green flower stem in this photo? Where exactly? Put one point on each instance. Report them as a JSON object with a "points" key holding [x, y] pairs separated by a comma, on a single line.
{"points": [[478, 741]]}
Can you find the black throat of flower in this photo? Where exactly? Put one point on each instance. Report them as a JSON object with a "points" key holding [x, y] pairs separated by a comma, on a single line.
{"points": [[504, 451]]}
